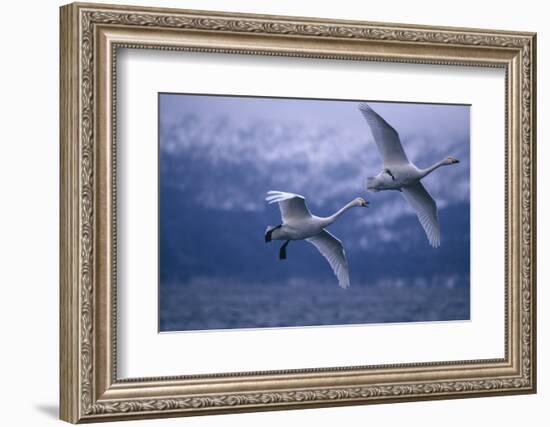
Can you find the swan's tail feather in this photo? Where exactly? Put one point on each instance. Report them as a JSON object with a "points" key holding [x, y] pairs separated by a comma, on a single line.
{"points": [[371, 184]]}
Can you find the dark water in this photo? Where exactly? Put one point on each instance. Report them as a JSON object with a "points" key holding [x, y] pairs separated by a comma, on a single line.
{"points": [[215, 305]]}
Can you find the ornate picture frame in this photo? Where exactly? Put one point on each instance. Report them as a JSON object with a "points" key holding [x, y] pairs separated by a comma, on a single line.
{"points": [[90, 37]]}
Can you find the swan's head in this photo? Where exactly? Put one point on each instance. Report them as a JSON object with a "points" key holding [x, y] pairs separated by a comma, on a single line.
{"points": [[451, 160], [359, 201]]}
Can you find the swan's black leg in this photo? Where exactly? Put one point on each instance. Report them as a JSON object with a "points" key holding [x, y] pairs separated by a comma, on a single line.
{"points": [[270, 232], [390, 174], [282, 251]]}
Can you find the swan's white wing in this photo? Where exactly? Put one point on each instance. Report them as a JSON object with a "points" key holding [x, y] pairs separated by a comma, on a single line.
{"points": [[331, 248], [426, 210], [386, 138], [293, 206]]}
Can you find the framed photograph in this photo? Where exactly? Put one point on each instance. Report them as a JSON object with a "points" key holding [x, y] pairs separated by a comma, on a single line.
{"points": [[266, 212]]}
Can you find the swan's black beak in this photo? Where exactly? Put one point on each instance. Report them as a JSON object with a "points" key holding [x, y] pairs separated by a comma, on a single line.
{"points": [[365, 203], [453, 160]]}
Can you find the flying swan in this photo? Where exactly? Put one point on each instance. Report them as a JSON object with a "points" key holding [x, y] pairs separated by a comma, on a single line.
{"points": [[401, 175], [298, 223]]}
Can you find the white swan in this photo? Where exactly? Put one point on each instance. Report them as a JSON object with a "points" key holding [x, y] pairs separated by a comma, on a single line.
{"points": [[401, 175], [299, 223]]}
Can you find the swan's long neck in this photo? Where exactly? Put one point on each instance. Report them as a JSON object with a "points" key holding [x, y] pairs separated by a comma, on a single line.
{"points": [[424, 172], [330, 219]]}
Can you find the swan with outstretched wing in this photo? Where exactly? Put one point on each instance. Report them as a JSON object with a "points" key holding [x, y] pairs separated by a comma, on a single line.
{"points": [[299, 224], [401, 175]]}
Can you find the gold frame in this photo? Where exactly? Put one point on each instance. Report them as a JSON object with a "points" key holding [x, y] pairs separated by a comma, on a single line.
{"points": [[90, 36]]}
